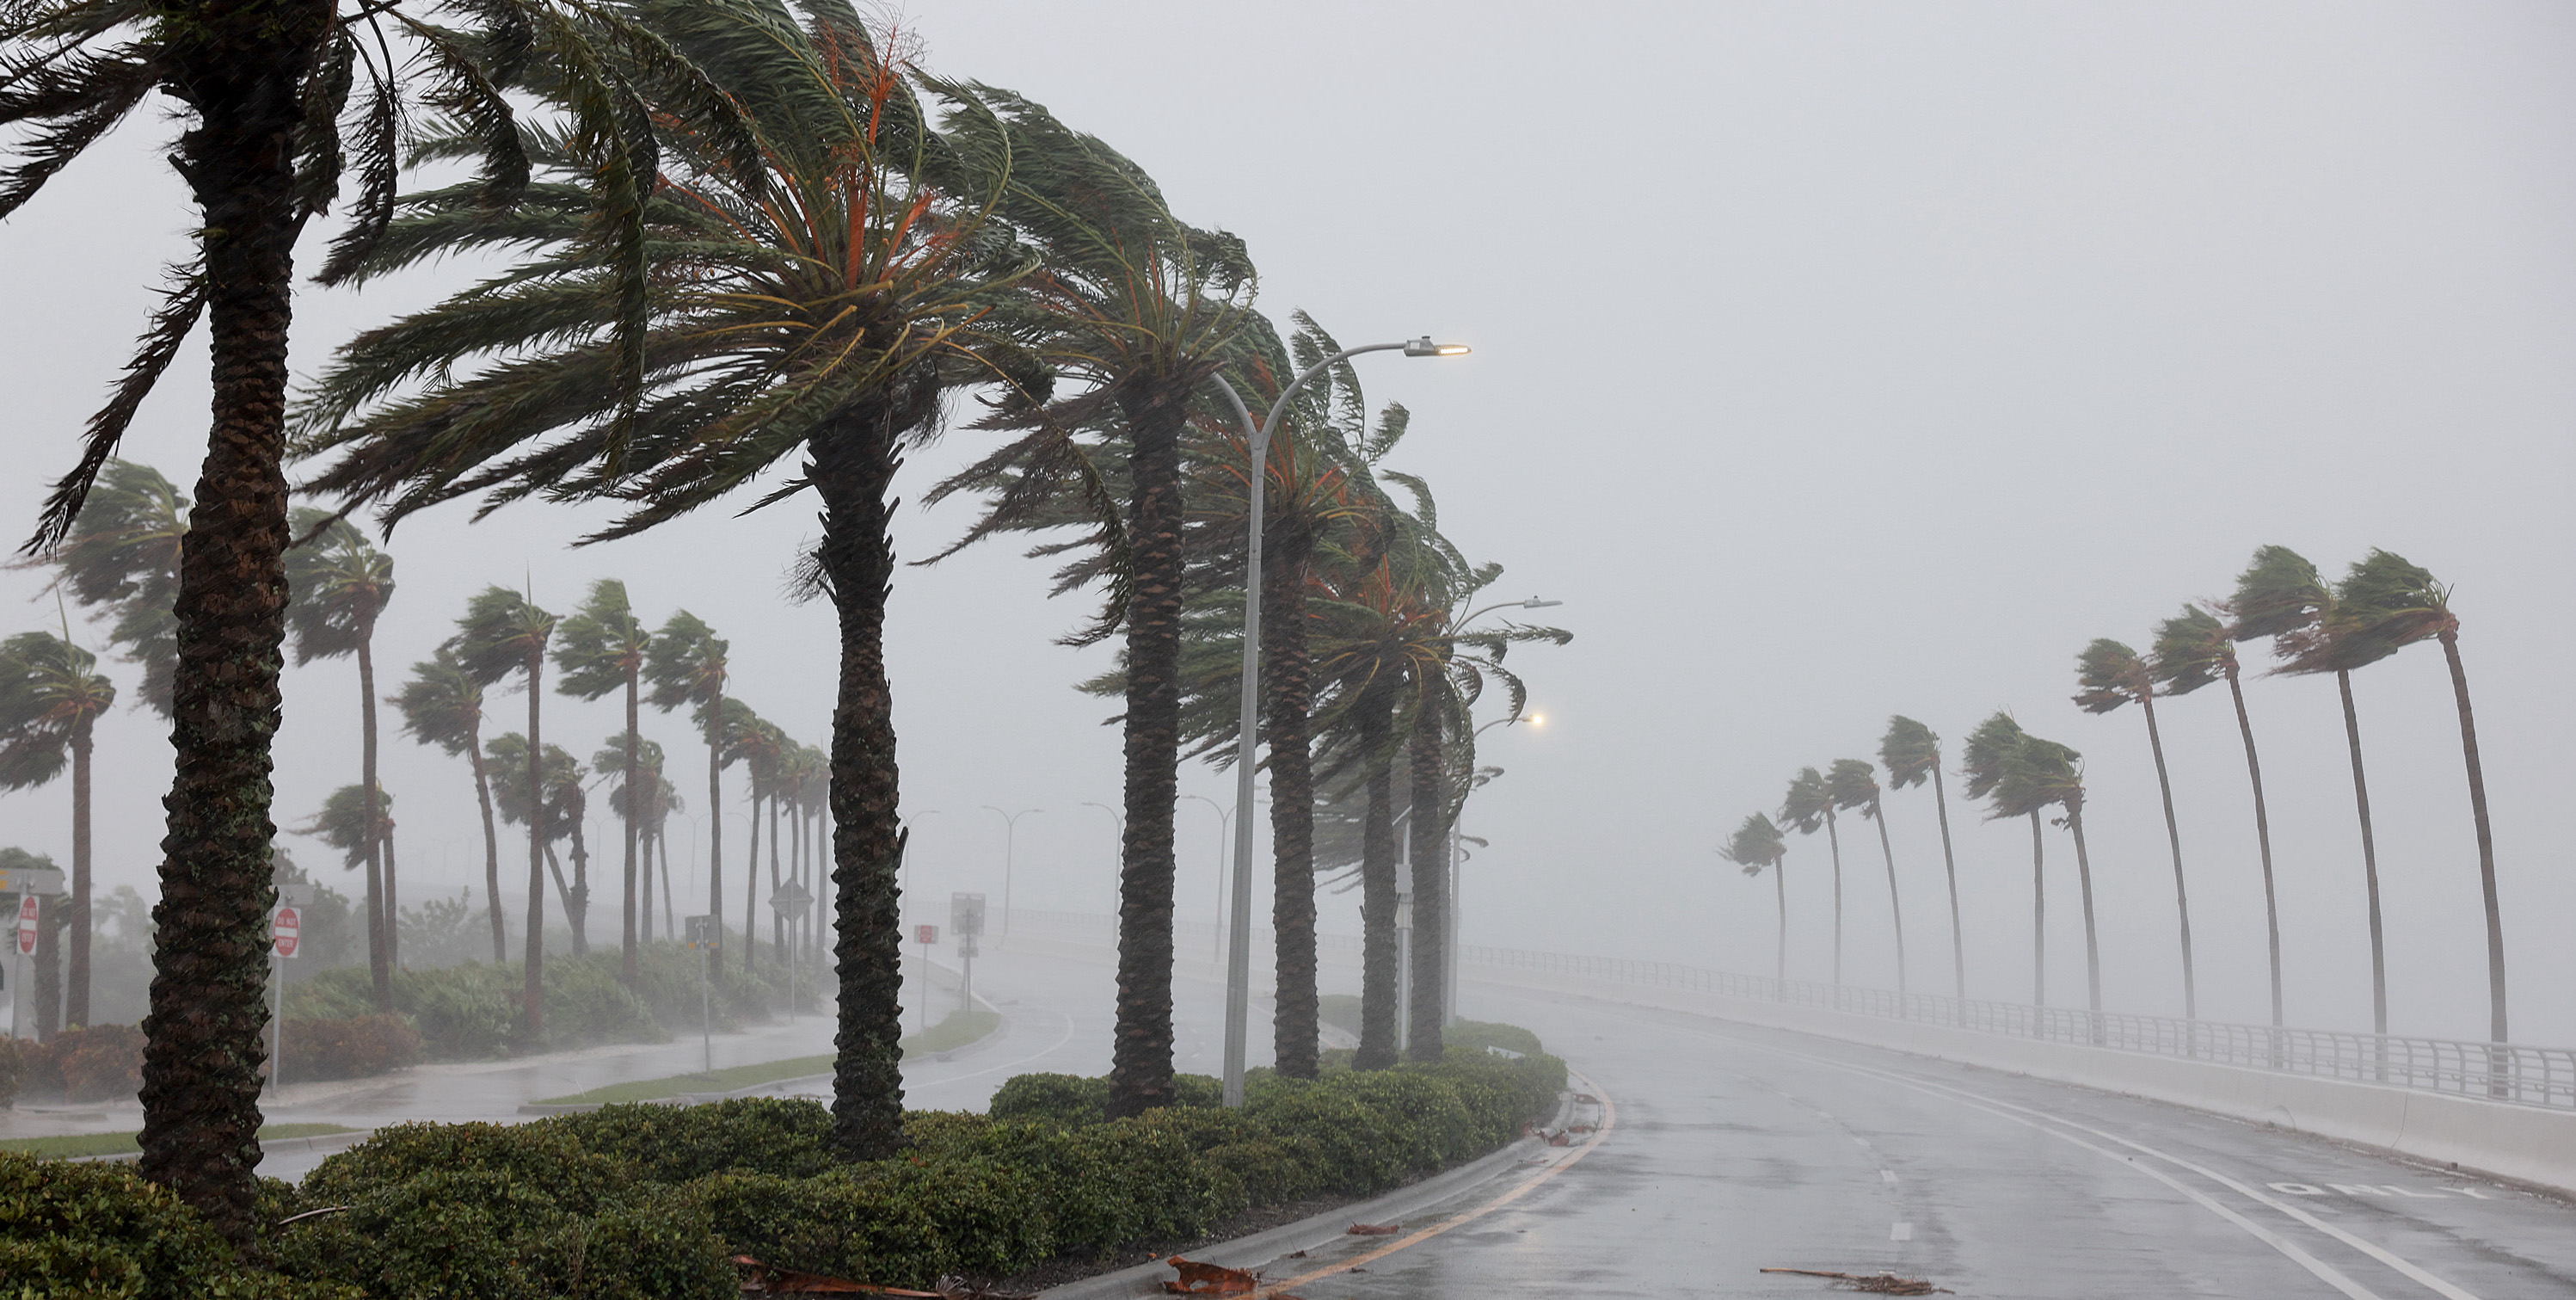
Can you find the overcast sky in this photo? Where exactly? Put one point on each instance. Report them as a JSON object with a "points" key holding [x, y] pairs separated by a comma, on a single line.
{"points": [[1833, 361]]}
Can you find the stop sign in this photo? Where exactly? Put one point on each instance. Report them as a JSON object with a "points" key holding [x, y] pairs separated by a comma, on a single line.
{"points": [[26, 924], [286, 929]]}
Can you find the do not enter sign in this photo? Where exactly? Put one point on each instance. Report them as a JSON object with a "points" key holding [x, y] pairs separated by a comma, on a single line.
{"points": [[27, 928], [925, 935], [288, 929]]}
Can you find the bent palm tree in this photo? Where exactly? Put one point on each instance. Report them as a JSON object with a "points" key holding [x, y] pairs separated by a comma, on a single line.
{"points": [[1854, 785], [2193, 649], [337, 586], [1981, 763], [600, 648], [503, 632], [353, 823], [1755, 845], [646, 809], [1912, 752], [2112, 674], [561, 812], [442, 705], [1808, 807], [2037, 773], [121, 561], [50, 699], [686, 665]]}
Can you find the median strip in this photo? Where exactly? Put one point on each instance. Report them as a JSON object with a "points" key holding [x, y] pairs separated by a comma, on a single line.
{"points": [[73, 1146], [960, 1029]]}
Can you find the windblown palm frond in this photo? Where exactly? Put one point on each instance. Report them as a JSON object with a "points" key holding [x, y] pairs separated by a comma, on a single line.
{"points": [[1756, 844], [1910, 751], [2193, 649]]}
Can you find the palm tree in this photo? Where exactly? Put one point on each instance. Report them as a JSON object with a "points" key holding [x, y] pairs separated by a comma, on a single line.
{"points": [[561, 813], [2111, 674], [2193, 649], [600, 648], [1912, 752], [337, 586], [685, 664], [265, 88], [355, 822], [1757, 844], [756, 744], [50, 699], [1808, 806], [1854, 785], [645, 813], [1981, 763], [121, 560], [442, 705], [502, 633], [815, 282], [2037, 773]]}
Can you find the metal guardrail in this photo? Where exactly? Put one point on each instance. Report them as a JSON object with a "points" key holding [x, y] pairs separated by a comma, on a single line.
{"points": [[2508, 1072]]}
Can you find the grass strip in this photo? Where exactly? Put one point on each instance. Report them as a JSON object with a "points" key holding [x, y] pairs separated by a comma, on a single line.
{"points": [[117, 1144], [959, 1029]]}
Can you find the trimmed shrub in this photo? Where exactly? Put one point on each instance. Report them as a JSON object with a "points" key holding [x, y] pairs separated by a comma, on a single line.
{"points": [[1477, 1035], [533, 1156], [13, 1070], [94, 1063], [96, 1228], [894, 1223], [1067, 1099], [675, 1144], [354, 1048]]}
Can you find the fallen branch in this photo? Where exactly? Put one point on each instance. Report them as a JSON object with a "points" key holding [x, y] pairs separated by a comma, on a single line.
{"points": [[1373, 1230], [1877, 1284]]}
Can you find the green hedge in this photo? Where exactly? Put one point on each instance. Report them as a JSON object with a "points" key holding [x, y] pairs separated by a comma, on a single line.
{"points": [[472, 1011], [645, 1200]]}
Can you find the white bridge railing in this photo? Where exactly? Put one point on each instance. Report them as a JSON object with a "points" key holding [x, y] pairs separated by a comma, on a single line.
{"points": [[2511, 1072]]}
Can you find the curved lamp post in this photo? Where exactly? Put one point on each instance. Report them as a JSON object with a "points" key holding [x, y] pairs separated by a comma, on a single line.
{"points": [[1010, 842], [1224, 817], [1238, 966]]}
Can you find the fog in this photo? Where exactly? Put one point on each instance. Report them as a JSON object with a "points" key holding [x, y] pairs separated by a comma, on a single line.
{"points": [[1833, 361]]}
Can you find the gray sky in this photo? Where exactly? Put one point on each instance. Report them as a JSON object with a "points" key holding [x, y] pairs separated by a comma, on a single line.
{"points": [[1834, 360]]}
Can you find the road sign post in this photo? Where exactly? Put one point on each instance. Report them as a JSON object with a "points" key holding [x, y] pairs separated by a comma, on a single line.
{"points": [[927, 935], [701, 932], [966, 916], [28, 913]]}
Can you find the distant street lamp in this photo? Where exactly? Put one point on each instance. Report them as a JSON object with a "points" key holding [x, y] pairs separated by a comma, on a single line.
{"points": [[1450, 915], [1010, 841], [1238, 967], [1216, 927]]}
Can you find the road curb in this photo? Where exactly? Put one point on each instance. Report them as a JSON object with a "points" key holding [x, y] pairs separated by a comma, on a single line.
{"points": [[267, 1146], [1251, 1252]]}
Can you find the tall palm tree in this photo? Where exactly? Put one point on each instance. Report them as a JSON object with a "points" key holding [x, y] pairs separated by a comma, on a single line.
{"points": [[1981, 764], [814, 285], [2193, 649], [337, 586], [2036, 774], [685, 663], [352, 823], [561, 813], [442, 705], [646, 811], [1757, 844], [2111, 674], [503, 632], [1139, 309], [121, 561], [1854, 786], [50, 697], [598, 649], [758, 745], [265, 89], [1912, 752], [1806, 808]]}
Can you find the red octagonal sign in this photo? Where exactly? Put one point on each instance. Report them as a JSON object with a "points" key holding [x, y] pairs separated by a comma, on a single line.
{"points": [[287, 929]]}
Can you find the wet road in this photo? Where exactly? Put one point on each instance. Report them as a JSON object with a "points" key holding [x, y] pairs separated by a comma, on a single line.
{"points": [[1737, 1148]]}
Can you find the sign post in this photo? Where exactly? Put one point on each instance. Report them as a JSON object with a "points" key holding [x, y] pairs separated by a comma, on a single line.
{"points": [[702, 936], [285, 939], [28, 912], [966, 916], [927, 935], [791, 901]]}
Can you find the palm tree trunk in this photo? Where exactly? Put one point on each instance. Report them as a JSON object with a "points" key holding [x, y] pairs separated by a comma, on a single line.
{"points": [[632, 912], [1378, 952], [491, 847], [577, 903], [715, 820], [2084, 883], [1296, 1032], [1833, 841], [670, 913], [1895, 906], [777, 922], [1780, 947], [1950, 870], [2486, 837], [380, 920], [76, 922], [533, 990], [2038, 914], [2262, 836], [393, 900], [1140, 1076], [2369, 861], [2173, 836], [852, 468], [1428, 827], [240, 63], [751, 892], [49, 966]]}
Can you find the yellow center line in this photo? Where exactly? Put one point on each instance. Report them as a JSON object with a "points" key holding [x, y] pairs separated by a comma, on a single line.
{"points": [[1609, 1121]]}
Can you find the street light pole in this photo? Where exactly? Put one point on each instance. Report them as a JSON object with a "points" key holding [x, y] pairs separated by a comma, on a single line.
{"points": [[1010, 842], [1216, 949], [1238, 968]]}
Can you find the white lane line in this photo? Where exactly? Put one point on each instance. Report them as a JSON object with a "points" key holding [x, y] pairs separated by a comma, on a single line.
{"points": [[1887, 1175], [1060, 1041], [2323, 1271], [1900, 1232]]}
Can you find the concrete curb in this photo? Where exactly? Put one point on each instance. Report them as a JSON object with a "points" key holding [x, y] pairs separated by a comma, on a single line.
{"points": [[1249, 1253], [267, 1146]]}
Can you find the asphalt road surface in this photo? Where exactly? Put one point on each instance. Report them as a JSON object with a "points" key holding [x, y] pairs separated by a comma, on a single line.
{"points": [[1736, 1148]]}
